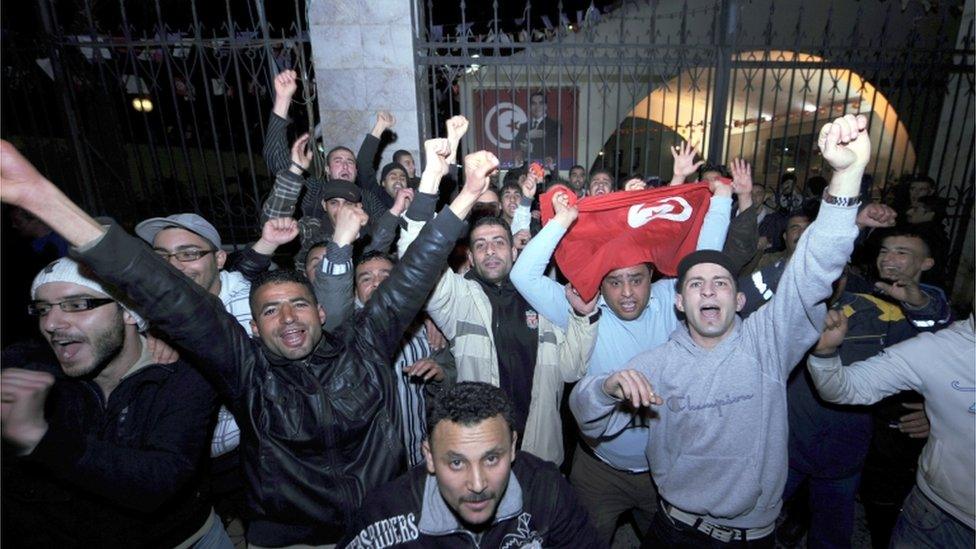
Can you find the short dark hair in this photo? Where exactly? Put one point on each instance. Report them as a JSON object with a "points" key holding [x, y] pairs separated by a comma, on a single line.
{"points": [[492, 220], [809, 209], [278, 276], [910, 232], [400, 154], [509, 185], [318, 244], [577, 167], [709, 167], [597, 171], [538, 93], [512, 176], [333, 150], [469, 403], [375, 254]]}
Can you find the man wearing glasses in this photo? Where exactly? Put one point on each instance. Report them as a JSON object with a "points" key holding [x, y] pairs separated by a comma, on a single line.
{"points": [[192, 245], [101, 444]]}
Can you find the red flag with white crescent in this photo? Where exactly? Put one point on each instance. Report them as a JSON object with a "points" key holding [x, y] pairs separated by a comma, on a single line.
{"points": [[625, 228]]}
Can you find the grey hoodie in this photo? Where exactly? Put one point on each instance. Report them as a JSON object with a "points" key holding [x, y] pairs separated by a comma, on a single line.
{"points": [[718, 445]]}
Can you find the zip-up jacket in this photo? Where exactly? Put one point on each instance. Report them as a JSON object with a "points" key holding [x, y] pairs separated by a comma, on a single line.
{"points": [[538, 509], [122, 472], [462, 310], [316, 433]]}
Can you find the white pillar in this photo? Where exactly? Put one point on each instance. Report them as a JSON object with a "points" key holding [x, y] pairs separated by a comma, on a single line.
{"points": [[363, 56]]}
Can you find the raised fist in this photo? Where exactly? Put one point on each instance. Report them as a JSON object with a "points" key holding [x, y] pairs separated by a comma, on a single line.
{"points": [[457, 126], [845, 144], [385, 119], [300, 154], [402, 201], [635, 184], [565, 214], [876, 215], [529, 185], [350, 219], [835, 328], [279, 231], [478, 168], [285, 84], [22, 397], [437, 152]]}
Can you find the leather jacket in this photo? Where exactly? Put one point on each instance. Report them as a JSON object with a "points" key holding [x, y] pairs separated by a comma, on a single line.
{"points": [[316, 433]]}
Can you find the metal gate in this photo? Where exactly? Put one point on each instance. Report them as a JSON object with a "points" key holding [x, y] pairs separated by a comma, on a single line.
{"points": [[147, 108], [751, 79]]}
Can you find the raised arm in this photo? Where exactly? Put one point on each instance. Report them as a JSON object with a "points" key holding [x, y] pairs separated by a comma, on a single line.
{"points": [[684, 162], [289, 180], [276, 137], [257, 259], [795, 315], [870, 380], [529, 273], [333, 282], [398, 300], [193, 319], [715, 227], [368, 149], [522, 219]]}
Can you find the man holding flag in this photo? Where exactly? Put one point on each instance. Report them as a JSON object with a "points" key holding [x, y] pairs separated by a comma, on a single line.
{"points": [[614, 247], [716, 391]]}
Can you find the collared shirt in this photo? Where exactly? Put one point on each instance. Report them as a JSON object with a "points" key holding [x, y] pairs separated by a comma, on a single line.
{"points": [[234, 293]]}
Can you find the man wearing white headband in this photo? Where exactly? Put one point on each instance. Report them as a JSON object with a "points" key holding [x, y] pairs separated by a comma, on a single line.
{"points": [[101, 443]]}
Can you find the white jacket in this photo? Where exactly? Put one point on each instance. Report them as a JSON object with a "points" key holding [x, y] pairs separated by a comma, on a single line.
{"points": [[942, 367]]}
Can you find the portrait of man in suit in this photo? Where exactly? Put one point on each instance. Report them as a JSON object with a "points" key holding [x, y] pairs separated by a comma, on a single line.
{"points": [[538, 137]]}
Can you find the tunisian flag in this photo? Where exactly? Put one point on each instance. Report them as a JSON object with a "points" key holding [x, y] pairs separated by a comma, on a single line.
{"points": [[625, 228]]}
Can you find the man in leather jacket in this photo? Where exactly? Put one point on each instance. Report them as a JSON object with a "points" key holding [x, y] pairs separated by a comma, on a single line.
{"points": [[317, 412]]}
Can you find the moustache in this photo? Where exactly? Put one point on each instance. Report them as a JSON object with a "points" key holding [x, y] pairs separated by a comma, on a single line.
{"points": [[477, 498]]}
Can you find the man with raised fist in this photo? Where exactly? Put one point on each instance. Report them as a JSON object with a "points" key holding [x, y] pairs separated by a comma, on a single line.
{"points": [[716, 391]]}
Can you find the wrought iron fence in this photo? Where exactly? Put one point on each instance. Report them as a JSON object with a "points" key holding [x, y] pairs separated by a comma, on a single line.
{"points": [[750, 79], [140, 109]]}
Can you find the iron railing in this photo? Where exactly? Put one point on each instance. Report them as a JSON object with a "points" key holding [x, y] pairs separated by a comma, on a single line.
{"points": [[752, 79]]}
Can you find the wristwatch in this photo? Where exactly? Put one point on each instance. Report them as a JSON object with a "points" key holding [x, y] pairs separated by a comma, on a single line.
{"points": [[842, 201]]}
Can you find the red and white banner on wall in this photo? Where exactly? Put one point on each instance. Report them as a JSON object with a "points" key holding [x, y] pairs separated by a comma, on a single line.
{"points": [[501, 114]]}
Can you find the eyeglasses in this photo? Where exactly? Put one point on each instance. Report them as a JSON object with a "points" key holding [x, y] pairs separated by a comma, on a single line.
{"points": [[41, 308], [183, 256]]}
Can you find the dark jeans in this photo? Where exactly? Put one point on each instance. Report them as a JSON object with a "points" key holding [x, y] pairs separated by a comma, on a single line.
{"points": [[665, 532], [831, 508]]}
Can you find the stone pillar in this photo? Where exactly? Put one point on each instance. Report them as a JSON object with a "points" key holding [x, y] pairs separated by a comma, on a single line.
{"points": [[363, 56]]}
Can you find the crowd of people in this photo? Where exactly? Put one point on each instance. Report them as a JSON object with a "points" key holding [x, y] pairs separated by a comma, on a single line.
{"points": [[727, 365]]}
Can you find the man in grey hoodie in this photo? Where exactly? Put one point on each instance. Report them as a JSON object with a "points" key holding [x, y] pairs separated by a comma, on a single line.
{"points": [[717, 445]]}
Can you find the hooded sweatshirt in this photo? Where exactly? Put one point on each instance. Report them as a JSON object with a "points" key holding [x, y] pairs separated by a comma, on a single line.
{"points": [[940, 367], [718, 445]]}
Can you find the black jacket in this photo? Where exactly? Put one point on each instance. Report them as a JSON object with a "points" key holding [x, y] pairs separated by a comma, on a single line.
{"points": [[121, 473], [550, 515], [317, 433]]}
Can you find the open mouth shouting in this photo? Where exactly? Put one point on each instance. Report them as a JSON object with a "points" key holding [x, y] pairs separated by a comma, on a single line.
{"points": [[293, 337]]}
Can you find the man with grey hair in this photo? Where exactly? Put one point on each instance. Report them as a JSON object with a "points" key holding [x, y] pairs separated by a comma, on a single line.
{"points": [[101, 443]]}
